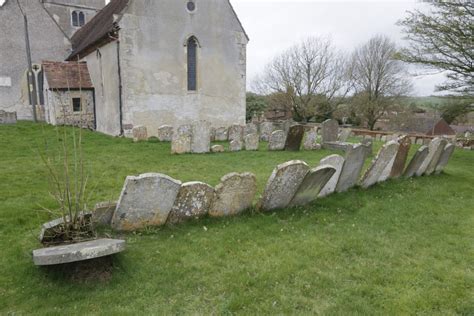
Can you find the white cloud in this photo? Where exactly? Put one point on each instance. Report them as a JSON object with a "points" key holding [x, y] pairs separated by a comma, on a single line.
{"points": [[274, 25], [2, 2]]}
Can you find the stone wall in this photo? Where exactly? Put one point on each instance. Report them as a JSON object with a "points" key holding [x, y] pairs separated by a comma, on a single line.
{"points": [[59, 108]]}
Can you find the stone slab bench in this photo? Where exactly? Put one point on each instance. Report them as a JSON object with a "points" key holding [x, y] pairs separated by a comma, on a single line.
{"points": [[77, 252]]}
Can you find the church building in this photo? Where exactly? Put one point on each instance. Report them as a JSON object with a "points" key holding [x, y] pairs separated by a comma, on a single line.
{"points": [[50, 24], [164, 62]]}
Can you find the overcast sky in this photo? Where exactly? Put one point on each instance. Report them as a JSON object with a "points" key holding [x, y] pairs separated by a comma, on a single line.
{"points": [[274, 25]]}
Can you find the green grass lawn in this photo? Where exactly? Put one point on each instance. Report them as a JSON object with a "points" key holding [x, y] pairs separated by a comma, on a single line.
{"points": [[402, 247]]}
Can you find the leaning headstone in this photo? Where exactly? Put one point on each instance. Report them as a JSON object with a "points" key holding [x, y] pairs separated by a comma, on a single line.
{"points": [[416, 162], [139, 133], [145, 200], [312, 184], [181, 141], [236, 132], [353, 164], [401, 158], [103, 213], [294, 138], [383, 159], [266, 130], [369, 146], [193, 201], [435, 149], [77, 252], [221, 134], [235, 145], [329, 131], [337, 162], [165, 133], [311, 139], [234, 194], [277, 141], [345, 134], [436, 157], [283, 184], [444, 159], [251, 128], [217, 149], [252, 141], [201, 139]]}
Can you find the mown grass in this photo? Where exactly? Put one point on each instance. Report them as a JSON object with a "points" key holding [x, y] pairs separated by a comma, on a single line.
{"points": [[402, 247]]}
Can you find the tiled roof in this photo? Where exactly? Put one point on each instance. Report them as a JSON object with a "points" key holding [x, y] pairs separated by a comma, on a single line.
{"points": [[96, 31], [67, 75]]}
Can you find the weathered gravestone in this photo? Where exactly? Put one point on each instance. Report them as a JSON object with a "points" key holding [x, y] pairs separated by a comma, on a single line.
{"points": [[235, 145], [312, 184], [77, 252], [294, 138], [337, 162], [181, 141], [401, 158], [311, 139], [252, 141], [388, 169], [7, 117], [221, 134], [383, 159], [329, 131], [354, 161], [103, 213], [251, 128], [436, 157], [283, 184], [277, 141], [236, 132], [444, 159], [266, 130], [369, 146], [435, 149], [201, 137], [193, 201], [345, 134], [217, 149], [213, 134], [145, 200], [416, 162], [165, 133], [234, 194], [139, 133]]}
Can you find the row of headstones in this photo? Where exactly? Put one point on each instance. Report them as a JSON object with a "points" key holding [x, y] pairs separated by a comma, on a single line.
{"points": [[7, 117], [196, 138], [157, 199]]}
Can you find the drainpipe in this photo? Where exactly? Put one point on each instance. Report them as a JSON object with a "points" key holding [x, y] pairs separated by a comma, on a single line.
{"points": [[31, 80], [120, 89]]}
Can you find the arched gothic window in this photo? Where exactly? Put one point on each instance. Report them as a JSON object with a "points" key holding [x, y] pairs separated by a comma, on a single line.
{"points": [[78, 18], [192, 45]]}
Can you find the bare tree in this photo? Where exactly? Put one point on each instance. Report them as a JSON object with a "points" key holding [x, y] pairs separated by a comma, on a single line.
{"points": [[312, 73], [443, 39], [378, 79]]}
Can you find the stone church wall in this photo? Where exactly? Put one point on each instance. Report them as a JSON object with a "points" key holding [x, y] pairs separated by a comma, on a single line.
{"points": [[154, 65]]}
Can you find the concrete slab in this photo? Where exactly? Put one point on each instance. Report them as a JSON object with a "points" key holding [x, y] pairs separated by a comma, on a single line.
{"points": [[77, 252]]}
